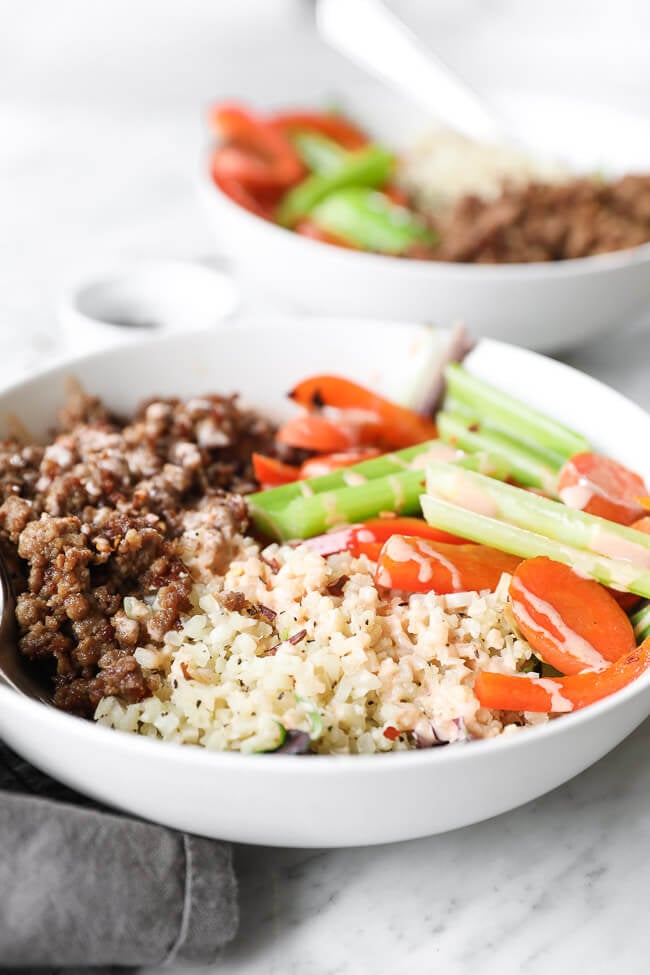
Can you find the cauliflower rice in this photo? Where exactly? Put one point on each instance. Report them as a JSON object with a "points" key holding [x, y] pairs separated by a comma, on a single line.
{"points": [[313, 646], [445, 166]]}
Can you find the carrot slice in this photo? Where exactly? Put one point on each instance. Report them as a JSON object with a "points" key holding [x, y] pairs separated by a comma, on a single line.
{"points": [[311, 431], [326, 463], [417, 565], [527, 692], [376, 531], [271, 472], [601, 486], [400, 427], [573, 623]]}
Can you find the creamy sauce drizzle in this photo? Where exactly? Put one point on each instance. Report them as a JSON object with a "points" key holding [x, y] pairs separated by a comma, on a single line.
{"points": [[354, 479], [559, 703], [472, 497], [575, 644], [442, 452], [577, 495], [422, 554], [612, 545], [398, 491]]}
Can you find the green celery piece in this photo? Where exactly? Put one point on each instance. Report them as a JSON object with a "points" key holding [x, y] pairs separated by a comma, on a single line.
{"points": [[510, 414], [319, 154], [391, 463], [370, 166], [304, 517], [641, 623], [370, 220], [618, 574], [527, 510], [529, 466]]}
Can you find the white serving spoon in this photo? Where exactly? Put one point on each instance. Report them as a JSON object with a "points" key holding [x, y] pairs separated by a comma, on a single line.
{"points": [[369, 33]]}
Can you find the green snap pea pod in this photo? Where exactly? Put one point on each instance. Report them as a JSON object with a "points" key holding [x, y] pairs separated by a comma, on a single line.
{"points": [[370, 220], [371, 166], [319, 154]]}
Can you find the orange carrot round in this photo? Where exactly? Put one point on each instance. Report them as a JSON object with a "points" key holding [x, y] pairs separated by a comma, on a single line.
{"points": [[555, 695], [311, 431], [418, 565], [326, 463], [601, 486], [400, 427], [573, 623]]}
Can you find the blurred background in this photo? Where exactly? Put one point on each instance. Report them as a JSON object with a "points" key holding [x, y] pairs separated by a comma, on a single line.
{"points": [[102, 107]]}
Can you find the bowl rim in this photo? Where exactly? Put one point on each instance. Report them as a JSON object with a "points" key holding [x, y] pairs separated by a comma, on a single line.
{"points": [[43, 714], [570, 267]]}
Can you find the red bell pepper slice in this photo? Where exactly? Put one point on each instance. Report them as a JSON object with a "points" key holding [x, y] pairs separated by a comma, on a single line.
{"points": [[271, 472], [335, 127], [256, 154]]}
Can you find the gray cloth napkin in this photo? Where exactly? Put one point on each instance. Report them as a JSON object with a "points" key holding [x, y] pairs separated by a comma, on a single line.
{"points": [[85, 887]]}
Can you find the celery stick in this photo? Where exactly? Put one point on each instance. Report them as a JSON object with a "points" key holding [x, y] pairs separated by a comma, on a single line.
{"points": [[625, 576], [391, 463], [304, 517], [320, 154], [641, 623], [504, 411], [370, 166], [529, 467], [534, 513]]}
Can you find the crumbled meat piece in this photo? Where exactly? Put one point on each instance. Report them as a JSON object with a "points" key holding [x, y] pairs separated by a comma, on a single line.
{"points": [[546, 222], [111, 508]]}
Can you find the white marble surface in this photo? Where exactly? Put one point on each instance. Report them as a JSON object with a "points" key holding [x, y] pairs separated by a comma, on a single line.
{"points": [[100, 120]]}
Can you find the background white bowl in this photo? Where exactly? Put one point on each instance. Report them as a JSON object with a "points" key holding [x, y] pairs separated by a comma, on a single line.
{"points": [[545, 306], [326, 800]]}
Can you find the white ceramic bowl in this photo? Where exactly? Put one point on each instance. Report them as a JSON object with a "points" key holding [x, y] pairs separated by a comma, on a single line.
{"points": [[325, 800], [544, 306]]}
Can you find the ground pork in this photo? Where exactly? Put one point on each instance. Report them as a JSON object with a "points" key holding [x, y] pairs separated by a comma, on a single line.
{"points": [[110, 508]]}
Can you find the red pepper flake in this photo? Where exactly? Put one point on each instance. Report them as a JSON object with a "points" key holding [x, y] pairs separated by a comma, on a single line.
{"points": [[474, 427], [336, 588], [391, 733]]}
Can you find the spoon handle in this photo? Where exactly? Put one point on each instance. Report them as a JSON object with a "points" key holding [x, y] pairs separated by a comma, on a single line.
{"points": [[370, 34]]}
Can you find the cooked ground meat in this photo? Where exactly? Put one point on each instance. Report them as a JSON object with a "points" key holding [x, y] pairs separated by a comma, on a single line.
{"points": [[546, 222], [111, 508]]}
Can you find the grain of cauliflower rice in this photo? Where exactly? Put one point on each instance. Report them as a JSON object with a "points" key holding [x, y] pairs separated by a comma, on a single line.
{"points": [[312, 646]]}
